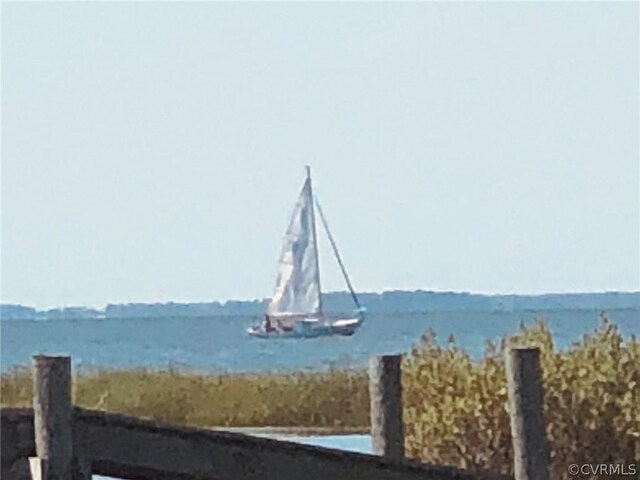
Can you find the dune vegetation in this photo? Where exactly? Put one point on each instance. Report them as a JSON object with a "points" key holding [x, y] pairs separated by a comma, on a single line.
{"points": [[456, 409], [454, 406]]}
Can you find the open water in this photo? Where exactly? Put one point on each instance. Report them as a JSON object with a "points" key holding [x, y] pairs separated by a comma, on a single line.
{"points": [[221, 344]]}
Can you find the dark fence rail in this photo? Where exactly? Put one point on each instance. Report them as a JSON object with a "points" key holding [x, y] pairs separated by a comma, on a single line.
{"points": [[127, 447], [17, 443]]}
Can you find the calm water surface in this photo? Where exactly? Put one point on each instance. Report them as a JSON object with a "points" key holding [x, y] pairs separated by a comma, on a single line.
{"points": [[220, 343]]}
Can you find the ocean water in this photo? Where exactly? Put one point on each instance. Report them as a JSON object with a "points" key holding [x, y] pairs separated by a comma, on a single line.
{"points": [[221, 344]]}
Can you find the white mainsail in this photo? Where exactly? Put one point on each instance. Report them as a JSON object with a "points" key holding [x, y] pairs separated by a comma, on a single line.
{"points": [[297, 290], [296, 303]]}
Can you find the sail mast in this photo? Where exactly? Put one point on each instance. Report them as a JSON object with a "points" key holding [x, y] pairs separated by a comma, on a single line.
{"points": [[335, 251], [315, 239]]}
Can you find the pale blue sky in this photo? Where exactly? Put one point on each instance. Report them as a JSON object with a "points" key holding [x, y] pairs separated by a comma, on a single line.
{"points": [[153, 151]]}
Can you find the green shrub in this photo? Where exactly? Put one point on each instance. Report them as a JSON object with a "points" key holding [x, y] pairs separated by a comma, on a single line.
{"points": [[456, 409]]}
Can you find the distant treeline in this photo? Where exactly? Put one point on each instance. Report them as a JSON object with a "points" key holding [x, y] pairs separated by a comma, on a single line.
{"points": [[386, 302]]}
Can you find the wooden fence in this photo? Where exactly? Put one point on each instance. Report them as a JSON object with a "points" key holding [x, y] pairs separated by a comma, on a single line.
{"points": [[57, 441]]}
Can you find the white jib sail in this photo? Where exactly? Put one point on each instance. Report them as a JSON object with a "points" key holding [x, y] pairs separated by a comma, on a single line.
{"points": [[297, 286]]}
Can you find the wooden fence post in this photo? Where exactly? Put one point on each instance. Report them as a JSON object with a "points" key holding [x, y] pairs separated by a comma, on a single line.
{"points": [[53, 427], [385, 391], [524, 382]]}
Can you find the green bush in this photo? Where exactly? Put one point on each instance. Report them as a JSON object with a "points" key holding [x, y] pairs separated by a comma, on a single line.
{"points": [[456, 409]]}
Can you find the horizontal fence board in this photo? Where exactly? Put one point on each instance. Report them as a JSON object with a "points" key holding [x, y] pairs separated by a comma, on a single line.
{"points": [[18, 423], [17, 439], [127, 447], [111, 439]]}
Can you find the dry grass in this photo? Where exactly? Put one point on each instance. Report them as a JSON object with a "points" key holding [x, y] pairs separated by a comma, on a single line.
{"points": [[338, 398]]}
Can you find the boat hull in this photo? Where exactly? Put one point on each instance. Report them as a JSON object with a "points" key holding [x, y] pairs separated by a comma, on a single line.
{"points": [[312, 329]]}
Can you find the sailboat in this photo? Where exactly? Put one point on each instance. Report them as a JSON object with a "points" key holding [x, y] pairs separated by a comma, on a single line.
{"points": [[295, 309]]}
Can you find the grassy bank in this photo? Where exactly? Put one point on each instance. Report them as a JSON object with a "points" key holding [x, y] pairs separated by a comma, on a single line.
{"points": [[337, 399], [455, 408]]}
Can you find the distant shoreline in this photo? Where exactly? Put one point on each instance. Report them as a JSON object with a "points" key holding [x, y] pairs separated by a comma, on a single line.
{"points": [[376, 303]]}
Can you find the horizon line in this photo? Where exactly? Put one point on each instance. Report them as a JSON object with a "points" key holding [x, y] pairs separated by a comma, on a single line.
{"points": [[251, 300]]}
